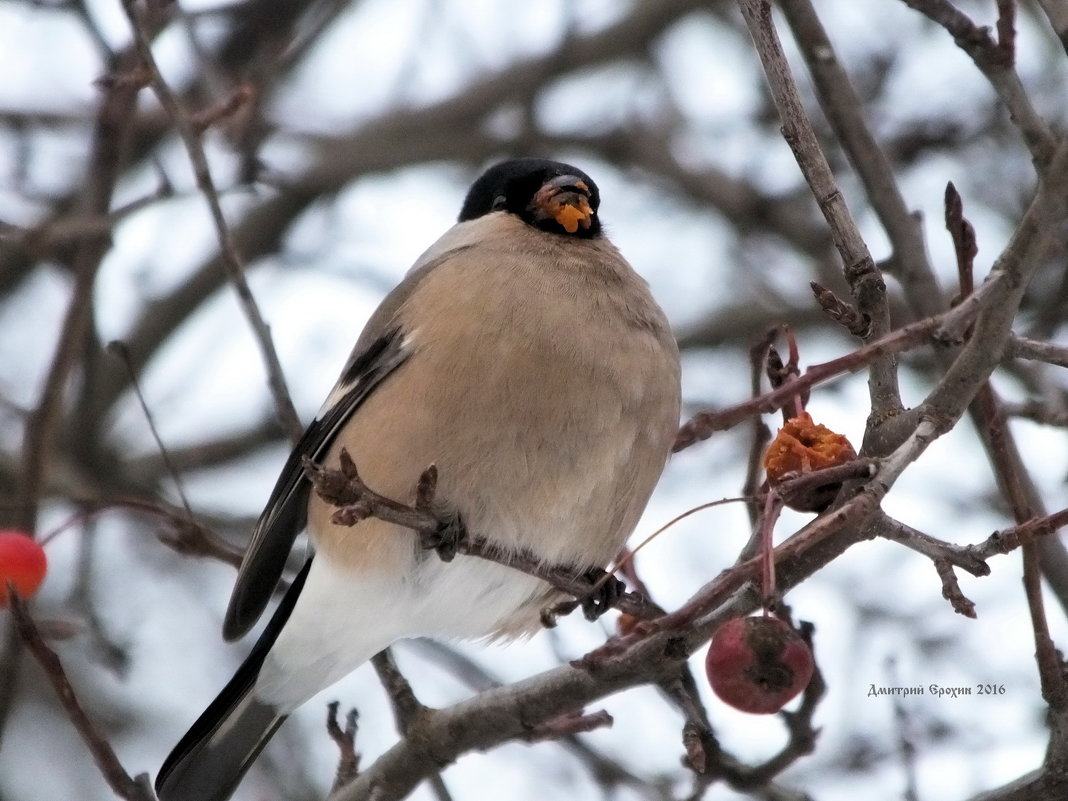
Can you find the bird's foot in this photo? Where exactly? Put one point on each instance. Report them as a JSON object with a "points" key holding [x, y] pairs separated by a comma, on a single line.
{"points": [[607, 590]]}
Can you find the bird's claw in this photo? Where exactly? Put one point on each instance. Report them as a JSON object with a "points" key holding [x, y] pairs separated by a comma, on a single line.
{"points": [[607, 591]]}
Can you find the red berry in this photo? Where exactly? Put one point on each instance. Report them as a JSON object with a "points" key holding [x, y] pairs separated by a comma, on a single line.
{"points": [[22, 562], [757, 664]]}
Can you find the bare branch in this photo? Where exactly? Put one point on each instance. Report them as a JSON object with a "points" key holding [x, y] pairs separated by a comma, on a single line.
{"points": [[356, 501], [994, 60], [1019, 347], [189, 130], [946, 327], [840, 103], [131, 789], [863, 276], [951, 589]]}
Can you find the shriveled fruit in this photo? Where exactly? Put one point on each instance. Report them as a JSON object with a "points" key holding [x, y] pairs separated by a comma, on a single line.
{"points": [[802, 446], [757, 664]]}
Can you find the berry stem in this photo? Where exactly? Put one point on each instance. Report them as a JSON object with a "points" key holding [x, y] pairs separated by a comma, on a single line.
{"points": [[772, 508]]}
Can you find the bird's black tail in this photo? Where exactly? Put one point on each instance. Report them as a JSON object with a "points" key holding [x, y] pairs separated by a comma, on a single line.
{"points": [[213, 756]]}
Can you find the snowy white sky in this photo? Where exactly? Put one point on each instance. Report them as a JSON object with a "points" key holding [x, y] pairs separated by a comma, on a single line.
{"points": [[335, 266]]}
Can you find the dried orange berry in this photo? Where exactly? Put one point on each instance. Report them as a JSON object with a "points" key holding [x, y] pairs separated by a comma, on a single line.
{"points": [[803, 445]]}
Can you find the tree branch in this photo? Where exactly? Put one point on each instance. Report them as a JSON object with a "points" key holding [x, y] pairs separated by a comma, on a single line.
{"points": [[865, 281], [131, 789], [189, 129]]}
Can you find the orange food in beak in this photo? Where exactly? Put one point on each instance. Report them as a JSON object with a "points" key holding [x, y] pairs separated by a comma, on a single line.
{"points": [[571, 215], [565, 199]]}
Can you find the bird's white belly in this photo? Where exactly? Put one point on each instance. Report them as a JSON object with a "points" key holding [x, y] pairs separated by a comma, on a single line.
{"points": [[342, 620]]}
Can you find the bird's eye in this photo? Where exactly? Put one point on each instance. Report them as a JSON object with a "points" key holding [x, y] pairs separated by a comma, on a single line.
{"points": [[499, 203]]}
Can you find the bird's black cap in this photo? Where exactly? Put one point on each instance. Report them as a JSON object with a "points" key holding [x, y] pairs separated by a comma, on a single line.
{"points": [[549, 195]]}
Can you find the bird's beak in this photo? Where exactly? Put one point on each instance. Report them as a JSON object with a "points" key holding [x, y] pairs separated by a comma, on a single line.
{"points": [[565, 199]]}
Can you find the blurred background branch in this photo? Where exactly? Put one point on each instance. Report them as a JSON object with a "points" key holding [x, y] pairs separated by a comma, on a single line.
{"points": [[338, 138]]}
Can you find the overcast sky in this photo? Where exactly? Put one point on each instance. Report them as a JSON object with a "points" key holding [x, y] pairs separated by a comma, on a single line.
{"points": [[341, 257]]}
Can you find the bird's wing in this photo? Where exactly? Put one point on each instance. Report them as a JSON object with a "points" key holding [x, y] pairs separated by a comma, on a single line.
{"points": [[286, 512], [380, 349], [209, 761]]}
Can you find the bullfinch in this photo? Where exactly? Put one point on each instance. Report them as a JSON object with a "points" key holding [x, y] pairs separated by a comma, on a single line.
{"points": [[521, 355]]}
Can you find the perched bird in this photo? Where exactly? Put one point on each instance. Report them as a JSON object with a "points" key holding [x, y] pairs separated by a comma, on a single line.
{"points": [[521, 355]]}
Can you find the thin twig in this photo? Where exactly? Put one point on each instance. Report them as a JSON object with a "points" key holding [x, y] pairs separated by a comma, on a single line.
{"points": [[408, 711], [850, 514], [121, 783], [1008, 539], [990, 57], [951, 590], [948, 326], [1052, 413], [865, 280], [356, 501], [119, 350], [187, 129], [606, 770], [406, 707], [205, 118], [1013, 478], [1005, 287], [107, 155], [701, 748], [966, 557], [761, 434], [845, 113], [1019, 347]]}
